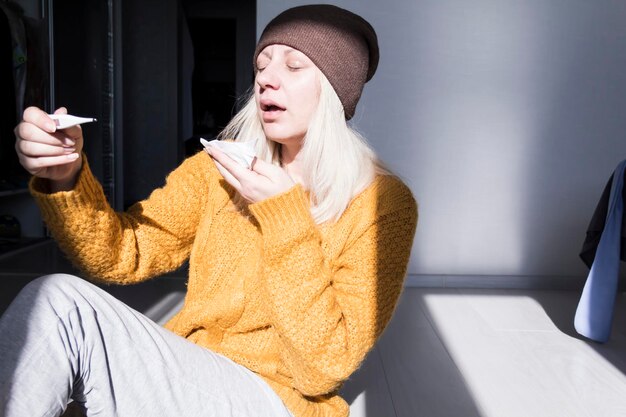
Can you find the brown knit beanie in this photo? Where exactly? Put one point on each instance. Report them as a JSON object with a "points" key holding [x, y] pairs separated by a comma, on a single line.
{"points": [[340, 43]]}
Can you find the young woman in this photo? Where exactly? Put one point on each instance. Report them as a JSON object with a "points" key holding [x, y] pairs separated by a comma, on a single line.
{"points": [[295, 265]]}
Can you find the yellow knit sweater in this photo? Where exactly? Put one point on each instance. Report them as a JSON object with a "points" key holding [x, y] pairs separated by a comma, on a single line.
{"points": [[297, 303]]}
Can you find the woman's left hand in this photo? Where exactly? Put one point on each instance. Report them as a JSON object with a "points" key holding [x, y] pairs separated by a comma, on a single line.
{"points": [[261, 181]]}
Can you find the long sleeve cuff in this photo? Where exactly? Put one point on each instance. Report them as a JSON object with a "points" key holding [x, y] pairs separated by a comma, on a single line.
{"points": [[86, 192], [284, 216]]}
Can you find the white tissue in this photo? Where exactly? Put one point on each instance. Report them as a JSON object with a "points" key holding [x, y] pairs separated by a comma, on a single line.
{"points": [[241, 152]]}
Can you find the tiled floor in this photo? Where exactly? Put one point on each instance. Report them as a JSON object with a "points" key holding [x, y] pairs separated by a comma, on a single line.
{"points": [[447, 352], [491, 353]]}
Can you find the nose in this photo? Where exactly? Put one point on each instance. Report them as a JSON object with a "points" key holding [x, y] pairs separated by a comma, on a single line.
{"points": [[268, 78]]}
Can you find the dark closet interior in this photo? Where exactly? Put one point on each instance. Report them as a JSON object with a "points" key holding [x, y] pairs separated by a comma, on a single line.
{"points": [[222, 36], [213, 80], [156, 75]]}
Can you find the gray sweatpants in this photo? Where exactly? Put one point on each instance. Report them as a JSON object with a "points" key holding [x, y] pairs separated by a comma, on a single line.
{"points": [[63, 338]]}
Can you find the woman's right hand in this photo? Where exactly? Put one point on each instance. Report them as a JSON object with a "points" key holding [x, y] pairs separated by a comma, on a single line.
{"points": [[46, 152]]}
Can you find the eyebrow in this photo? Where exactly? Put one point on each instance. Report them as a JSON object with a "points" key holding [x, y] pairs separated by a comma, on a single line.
{"points": [[287, 52]]}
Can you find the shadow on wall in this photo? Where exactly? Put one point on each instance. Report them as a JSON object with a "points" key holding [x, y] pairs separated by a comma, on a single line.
{"points": [[575, 131], [514, 110]]}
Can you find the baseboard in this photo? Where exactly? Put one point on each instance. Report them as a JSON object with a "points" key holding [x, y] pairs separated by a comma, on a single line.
{"points": [[496, 281]]}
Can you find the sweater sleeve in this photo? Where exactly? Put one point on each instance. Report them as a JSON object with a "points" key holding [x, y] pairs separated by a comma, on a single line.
{"points": [[328, 316], [152, 237]]}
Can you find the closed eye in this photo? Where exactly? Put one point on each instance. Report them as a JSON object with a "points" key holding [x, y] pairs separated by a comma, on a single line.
{"points": [[262, 61]]}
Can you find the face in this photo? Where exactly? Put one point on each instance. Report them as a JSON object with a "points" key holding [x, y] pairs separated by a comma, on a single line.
{"points": [[287, 91]]}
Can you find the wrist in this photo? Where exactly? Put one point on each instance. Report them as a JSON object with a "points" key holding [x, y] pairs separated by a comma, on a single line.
{"points": [[62, 185], [67, 183]]}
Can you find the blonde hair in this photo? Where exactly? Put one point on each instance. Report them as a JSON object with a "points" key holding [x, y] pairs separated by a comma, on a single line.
{"points": [[337, 161]]}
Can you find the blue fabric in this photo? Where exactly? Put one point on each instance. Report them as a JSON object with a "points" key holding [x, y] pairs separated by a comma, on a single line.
{"points": [[594, 315]]}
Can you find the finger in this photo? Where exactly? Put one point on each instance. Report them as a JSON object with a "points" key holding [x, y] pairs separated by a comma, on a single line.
{"points": [[40, 119], [72, 131], [30, 132], [37, 149], [36, 164], [275, 174], [234, 168], [264, 168], [228, 176]]}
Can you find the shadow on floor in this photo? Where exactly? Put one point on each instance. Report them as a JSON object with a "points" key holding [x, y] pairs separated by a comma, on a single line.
{"points": [[560, 306], [410, 372]]}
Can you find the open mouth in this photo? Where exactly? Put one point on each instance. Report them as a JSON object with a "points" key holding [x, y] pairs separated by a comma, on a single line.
{"points": [[271, 107]]}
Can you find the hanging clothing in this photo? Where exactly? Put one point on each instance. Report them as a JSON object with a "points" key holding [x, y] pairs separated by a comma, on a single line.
{"points": [[37, 63], [596, 225], [594, 315], [19, 57], [24, 81], [7, 101]]}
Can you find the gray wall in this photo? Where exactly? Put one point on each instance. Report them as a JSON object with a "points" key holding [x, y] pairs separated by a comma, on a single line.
{"points": [[506, 119]]}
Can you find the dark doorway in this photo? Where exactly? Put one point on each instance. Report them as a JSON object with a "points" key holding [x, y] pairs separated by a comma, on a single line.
{"points": [[223, 36], [213, 80]]}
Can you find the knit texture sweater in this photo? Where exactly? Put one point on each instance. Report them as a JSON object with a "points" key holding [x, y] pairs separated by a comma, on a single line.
{"points": [[299, 304]]}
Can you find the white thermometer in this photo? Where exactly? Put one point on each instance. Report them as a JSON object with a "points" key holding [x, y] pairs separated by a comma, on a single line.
{"points": [[64, 121]]}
